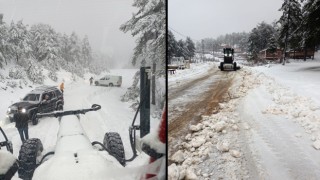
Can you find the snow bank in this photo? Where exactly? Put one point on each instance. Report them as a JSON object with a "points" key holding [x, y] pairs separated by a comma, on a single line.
{"points": [[294, 91], [211, 149]]}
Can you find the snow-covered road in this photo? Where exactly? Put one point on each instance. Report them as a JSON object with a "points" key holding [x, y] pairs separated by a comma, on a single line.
{"points": [[191, 99], [114, 116], [267, 129]]}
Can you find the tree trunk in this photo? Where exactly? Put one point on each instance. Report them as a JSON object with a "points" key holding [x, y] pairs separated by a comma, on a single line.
{"points": [[153, 88], [284, 57], [286, 40], [305, 53]]}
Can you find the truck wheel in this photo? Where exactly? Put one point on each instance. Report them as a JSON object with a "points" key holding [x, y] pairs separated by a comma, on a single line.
{"points": [[60, 107], [34, 119], [234, 66], [112, 141], [111, 85], [28, 154], [221, 66]]}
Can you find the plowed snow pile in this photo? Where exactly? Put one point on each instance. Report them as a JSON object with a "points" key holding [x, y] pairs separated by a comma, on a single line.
{"points": [[212, 149]]}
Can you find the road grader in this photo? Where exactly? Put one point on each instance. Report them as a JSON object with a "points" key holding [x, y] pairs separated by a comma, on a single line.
{"points": [[228, 60]]}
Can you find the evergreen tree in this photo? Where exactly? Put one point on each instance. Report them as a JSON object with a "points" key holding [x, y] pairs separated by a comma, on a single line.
{"points": [[75, 47], [272, 45], [4, 44], [259, 39], [290, 21], [172, 46], [190, 47], [150, 24], [311, 23], [86, 51], [45, 46], [253, 42], [18, 39], [182, 50]]}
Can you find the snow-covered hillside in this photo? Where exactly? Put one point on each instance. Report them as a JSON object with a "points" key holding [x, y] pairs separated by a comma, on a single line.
{"points": [[114, 116]]}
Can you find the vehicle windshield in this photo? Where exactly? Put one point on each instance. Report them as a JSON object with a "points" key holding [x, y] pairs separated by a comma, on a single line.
{"points": [[32, 97]]}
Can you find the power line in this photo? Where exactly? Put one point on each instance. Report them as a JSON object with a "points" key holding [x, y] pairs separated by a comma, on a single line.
{"points": [[182, 34]]}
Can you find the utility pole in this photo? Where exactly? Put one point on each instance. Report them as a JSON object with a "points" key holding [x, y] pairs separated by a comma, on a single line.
{"points": [[286, 39], [202, 47]]}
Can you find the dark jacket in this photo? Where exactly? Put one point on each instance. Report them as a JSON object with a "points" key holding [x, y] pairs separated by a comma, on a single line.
{"points": [[21, 120]]}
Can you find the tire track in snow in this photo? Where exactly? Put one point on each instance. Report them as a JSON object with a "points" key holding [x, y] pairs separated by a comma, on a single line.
{"points": [[280, 153]]}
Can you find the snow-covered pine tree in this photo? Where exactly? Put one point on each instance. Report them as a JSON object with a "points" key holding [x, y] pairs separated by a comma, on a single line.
{"points": [[75, 45], [290, 21], [149, 23], [172, 46], [311, 24], [259, 39], [86, 52], [182, 50], [65, 48], [191, 48], [272, 45], [34, 71], [253, 44], [4, 45], [18, 39], [45, 46]]}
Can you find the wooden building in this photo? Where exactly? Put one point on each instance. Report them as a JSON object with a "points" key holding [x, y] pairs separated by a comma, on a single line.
{"points": [[266, 54], [299, 54]]}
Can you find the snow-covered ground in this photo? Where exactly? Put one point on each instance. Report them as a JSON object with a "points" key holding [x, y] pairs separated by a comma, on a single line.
{"points": [[267, 129], [114, 116], [196, 70]]}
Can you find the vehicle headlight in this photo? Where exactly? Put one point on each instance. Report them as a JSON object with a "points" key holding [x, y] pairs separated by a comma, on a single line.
{"points": [[225, 54], [9, 109], [23, 110]]}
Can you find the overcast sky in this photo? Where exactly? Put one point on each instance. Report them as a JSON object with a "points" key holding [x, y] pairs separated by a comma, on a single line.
{"points": [[210, 18], [99, 19]]}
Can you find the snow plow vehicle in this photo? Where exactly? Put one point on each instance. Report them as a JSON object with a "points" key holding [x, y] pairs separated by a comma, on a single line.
{"points": [[228, 60], [74, 156], [8, 162]]}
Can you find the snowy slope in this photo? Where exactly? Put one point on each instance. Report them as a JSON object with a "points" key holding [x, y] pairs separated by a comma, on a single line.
{"points": [[114, 116]]}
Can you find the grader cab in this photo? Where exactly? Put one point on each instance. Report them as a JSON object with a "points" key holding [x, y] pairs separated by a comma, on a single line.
{"points": [[228, 60]]}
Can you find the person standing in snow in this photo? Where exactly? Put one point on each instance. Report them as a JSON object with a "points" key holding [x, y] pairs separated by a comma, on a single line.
{"points": [[91, 81], [21, 120], [62, 87]]}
